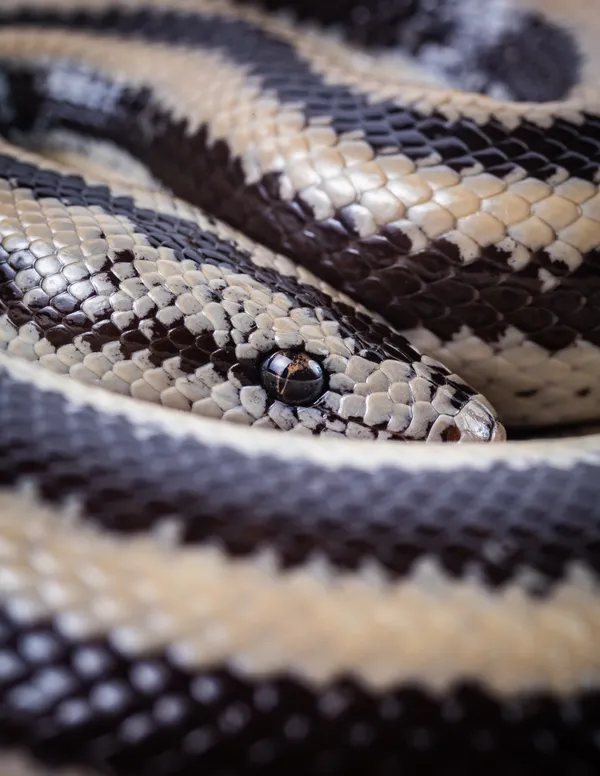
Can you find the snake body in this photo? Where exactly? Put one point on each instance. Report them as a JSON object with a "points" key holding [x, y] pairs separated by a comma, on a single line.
{"points": [[225, 547]]}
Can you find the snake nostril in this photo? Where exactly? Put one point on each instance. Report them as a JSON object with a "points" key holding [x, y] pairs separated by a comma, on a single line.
{"points": [[451, 434]]}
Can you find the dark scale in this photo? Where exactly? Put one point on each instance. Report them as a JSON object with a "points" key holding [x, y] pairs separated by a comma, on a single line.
{"points": [[66, 321], [432, 288], [215, 722], [293, 377], [352, 515], [148, 716], [385, 124], [533, 60]]}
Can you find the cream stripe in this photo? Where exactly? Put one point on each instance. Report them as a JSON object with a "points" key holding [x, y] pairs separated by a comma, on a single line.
{"points": [[206, 609], [507, 370], [92, 158]]}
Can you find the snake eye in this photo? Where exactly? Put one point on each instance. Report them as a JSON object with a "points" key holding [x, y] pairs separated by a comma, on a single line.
{"points": [[292, 377]]}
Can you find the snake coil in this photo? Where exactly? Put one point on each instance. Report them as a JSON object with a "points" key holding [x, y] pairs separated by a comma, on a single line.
{"points": [[250, 260]]}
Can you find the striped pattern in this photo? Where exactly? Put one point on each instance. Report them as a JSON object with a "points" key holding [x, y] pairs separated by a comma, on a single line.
{"points": [[500, 222], [180, 595]]}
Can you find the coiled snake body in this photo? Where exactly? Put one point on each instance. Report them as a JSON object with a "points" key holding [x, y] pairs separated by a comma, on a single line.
{"points": [[180, 595]]}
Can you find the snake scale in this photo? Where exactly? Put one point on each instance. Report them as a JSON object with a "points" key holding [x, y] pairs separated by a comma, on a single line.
{"points": [[252, 256]]}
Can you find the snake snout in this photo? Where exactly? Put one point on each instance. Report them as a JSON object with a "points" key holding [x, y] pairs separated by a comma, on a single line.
{"points": [[478, 422]]}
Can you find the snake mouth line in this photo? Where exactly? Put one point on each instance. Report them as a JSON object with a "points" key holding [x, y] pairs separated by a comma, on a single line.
{"points": [[457, 435], [498, 433], [452, 434]]}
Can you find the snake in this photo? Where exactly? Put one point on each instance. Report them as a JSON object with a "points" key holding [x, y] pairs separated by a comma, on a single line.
{"points": [[299, 372]]}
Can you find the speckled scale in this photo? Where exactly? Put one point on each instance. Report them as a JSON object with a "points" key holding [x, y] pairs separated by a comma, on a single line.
{"points": [[181, 338]]}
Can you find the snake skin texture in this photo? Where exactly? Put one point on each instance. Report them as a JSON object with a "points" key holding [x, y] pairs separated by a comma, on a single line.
{"points": [[509, 51], [252, 256], [185, 324], [109, 661], [471, 227]]}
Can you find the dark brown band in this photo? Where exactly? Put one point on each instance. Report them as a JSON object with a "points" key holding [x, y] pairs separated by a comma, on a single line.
{"points": [[542, 519], [86, 703], [432, 288]]}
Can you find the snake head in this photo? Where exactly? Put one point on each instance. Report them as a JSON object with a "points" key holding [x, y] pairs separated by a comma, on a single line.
{"points": [[367, 396], [309, 363], [387, 391], [237, 334]]}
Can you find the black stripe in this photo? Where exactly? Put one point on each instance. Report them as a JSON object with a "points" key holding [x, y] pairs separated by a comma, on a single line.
{"points": [[381, 24], [432, 288], [531, 59], [460, 144], [497, 521], [89, 704]]}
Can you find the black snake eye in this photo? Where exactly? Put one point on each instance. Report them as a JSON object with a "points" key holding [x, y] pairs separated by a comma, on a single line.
{"points": [[292, 377]]}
